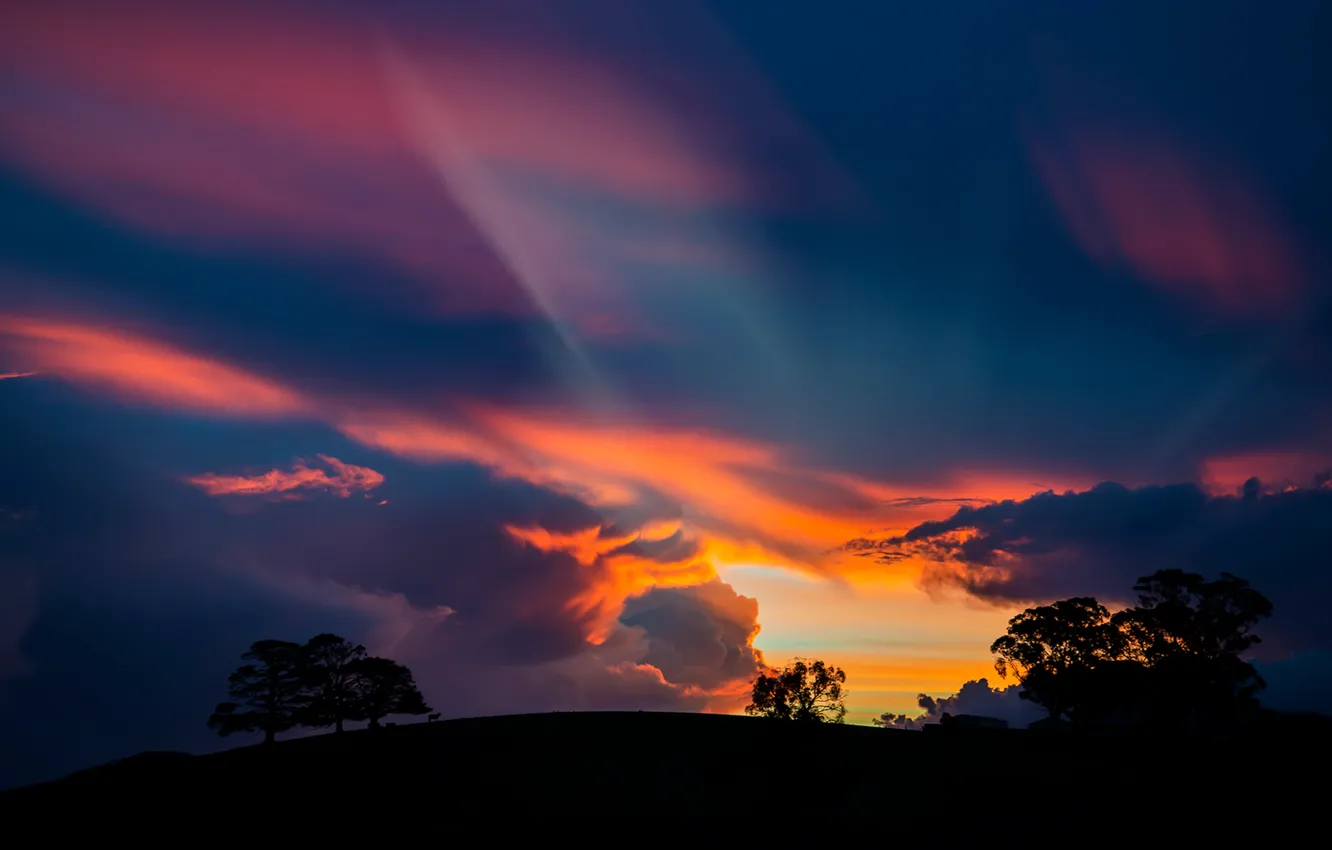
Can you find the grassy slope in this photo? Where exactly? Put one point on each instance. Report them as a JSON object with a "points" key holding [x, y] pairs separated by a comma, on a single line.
{"points": [[647, 764]]}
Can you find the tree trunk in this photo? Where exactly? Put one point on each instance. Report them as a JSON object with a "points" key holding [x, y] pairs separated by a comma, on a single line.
{"points": [[338, 726], [268, 735]]}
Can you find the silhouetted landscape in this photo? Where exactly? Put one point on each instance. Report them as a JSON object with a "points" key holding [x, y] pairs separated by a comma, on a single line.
{"points": [[659, 766], [1153, 697]]}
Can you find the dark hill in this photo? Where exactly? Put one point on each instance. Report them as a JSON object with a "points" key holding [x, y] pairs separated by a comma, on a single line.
{"points": [[652, 764]]}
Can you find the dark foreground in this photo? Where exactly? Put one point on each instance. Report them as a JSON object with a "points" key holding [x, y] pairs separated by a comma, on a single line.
{"points": [[650, 766]]}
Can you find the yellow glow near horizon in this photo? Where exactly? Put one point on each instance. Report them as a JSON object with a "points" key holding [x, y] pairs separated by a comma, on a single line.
{"points": [[893, 640]]}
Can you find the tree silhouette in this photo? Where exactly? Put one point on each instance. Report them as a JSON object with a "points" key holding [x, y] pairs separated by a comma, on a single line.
{"points": [[1174, 656], [330, 673], [1181, 613], [385, 687], [1189, 633], [1052, 649], [801, 691], [269, 693]]}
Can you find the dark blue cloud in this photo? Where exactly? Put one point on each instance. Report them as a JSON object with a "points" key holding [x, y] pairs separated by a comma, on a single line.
{"points": [[700, 635], [975, 698], [1099, 542]]}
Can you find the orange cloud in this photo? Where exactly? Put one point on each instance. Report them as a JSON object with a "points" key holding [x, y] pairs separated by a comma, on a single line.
{"points": [[692, 467], [732, 514], [619, 573], [344, 480], [142, 370], [587, 545], [426, 438], [614, 464], [423, 438]]}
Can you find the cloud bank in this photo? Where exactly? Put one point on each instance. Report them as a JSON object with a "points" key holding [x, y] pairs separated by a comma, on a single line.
{"points": [[974, 697], [1098, 542]]}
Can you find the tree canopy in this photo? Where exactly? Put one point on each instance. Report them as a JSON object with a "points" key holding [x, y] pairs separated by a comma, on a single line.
{"points": [[269, 693], [802, 691], [324, 682], [333, 681], [1173, 658], [1051, 648], [385, 687]]}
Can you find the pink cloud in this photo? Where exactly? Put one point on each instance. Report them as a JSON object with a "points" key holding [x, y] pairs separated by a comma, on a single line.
{"points": [[1184, 221], [143, 370], [537, 104], [1276, 470], [5, 376], [240, 121], [344, 480]]}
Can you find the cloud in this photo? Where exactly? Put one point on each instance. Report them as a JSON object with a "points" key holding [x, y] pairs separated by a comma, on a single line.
{"points": [[1176, 217], [1277, 470], [700, 635], [143, 370], [725, 483], [672, 649], [1098, 542], [4, 376], [974, 697], [620, 567], [492, 580], [564, 203], [345, 479]]}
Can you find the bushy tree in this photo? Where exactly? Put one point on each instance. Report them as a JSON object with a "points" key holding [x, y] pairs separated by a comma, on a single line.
{"points": [[1190, 633], [385, 687], [1175, 655], [1053, 649], [326, 681], [1183, 614], [801, 691], [330, 674], [269, 693]]}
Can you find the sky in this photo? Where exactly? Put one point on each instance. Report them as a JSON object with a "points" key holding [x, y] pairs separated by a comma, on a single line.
{"points": [[593, 355]]}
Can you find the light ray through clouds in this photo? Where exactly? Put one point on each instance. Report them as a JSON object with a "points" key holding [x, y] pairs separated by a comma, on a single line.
{"points": [[426, 120], [649, 234]]}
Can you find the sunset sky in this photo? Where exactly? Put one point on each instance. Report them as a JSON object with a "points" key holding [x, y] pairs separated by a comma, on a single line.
{"points": [[588, 354]]}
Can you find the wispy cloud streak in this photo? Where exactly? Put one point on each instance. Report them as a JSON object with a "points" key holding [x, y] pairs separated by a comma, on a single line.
{"points": [[344, 480]]}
